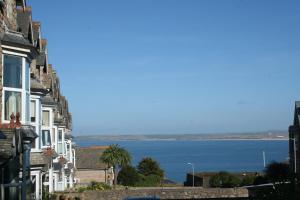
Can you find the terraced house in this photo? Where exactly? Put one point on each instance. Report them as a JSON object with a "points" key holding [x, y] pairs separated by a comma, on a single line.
{"points": [[36, 150]]}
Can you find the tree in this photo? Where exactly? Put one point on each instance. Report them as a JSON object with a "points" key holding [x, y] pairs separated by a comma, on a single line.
{"points": [[278, 172], [116, 156], [148, 166], [128, 176]]}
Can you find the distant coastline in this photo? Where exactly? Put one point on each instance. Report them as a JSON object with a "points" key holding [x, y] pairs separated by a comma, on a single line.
{"points": [[275, 135]]}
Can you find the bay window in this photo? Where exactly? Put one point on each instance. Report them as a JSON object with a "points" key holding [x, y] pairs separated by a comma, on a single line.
{"points": [[16, 87]]}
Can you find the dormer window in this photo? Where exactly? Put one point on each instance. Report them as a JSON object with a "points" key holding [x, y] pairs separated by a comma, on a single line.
{"points": [[16, 84]]}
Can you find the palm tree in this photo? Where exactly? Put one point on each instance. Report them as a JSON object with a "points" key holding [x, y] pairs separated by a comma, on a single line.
{"points": [[116, 156]]}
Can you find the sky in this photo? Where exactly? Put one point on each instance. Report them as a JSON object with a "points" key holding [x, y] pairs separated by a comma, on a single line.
{"points": [[175, 66]]}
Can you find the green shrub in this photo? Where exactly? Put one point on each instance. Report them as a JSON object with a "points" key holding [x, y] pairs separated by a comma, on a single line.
{"points": [[94, 186], [149, 181], [148, 166], [248, 180], [224, 180], [81, 189], [128, 176], [98, 186]]}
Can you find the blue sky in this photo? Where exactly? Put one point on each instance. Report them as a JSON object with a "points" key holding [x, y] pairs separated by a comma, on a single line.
{"points": [[166, 66]]}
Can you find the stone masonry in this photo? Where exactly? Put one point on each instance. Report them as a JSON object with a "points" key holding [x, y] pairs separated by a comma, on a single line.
{"points": [[162, 193]]}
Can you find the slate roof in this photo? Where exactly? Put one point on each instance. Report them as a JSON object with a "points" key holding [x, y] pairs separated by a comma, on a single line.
{"points": [[41, 59], [28, 133], [297, 114], [23, 20], [36, 86], [14, 38], [89, 158], [36, 27], [18, 40], [38, 158], [7, 144], [48, 100], [68, 136]]}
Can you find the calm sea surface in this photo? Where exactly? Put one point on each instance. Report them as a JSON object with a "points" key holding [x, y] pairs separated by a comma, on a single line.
{"points": [[210, 155]]}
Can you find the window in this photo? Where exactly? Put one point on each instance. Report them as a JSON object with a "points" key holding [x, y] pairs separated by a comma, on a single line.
{"points": [[60, 147], [33, 184], [16, 87], [27, 76], [27, 114], [33, 111], [13, 103], [46, 138], [12, 71], [60, 136], [46, 118], [33, 144]]}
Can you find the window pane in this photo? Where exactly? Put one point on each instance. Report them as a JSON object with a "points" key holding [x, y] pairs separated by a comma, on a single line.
{"points": [[27, 104], [27, 76], [33, 144], [59, 135], [59, 148], [46, 138], [12, 71], [32, 111], [13, 103], [46, 118]]}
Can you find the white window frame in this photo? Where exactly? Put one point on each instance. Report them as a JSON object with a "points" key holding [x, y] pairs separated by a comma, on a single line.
{"points": [[38, 179], [62, 142], [22, 90], [37, 124], [49, 128]]}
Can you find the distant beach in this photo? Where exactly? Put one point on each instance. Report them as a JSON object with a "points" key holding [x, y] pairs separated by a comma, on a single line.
{"points": [[267, 135]]}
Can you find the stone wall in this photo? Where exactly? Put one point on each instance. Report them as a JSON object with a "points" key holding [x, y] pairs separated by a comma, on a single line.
{"points": [[86, 176], [162, 193]]}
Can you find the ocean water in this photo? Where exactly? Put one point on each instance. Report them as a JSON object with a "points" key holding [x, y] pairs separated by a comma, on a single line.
{"points": [[209, 155]]}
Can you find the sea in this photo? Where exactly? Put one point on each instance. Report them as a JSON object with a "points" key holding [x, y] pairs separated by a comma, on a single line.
{"points": [[205, 155]]}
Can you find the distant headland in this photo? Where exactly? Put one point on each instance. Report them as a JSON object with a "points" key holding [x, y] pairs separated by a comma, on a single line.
{"points": [[267, 135]]}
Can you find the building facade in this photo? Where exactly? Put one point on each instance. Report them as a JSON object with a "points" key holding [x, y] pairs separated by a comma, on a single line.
{"points": [[36, 147], [294, 145]]}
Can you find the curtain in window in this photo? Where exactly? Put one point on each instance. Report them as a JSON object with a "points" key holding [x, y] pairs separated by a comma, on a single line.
{"points": [[46, 118], [13, 103], [32, 111], [46, 138]]}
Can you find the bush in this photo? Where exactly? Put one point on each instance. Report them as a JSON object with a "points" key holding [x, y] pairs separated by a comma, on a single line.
{"points": [[94, 186], [98, 186], [149, 181], [248, 180], [147, 166], [128, 176], [224, 180]]}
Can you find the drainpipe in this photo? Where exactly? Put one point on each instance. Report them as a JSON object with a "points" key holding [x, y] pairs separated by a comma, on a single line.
{"points": [[25, 168], [2, 186]]}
